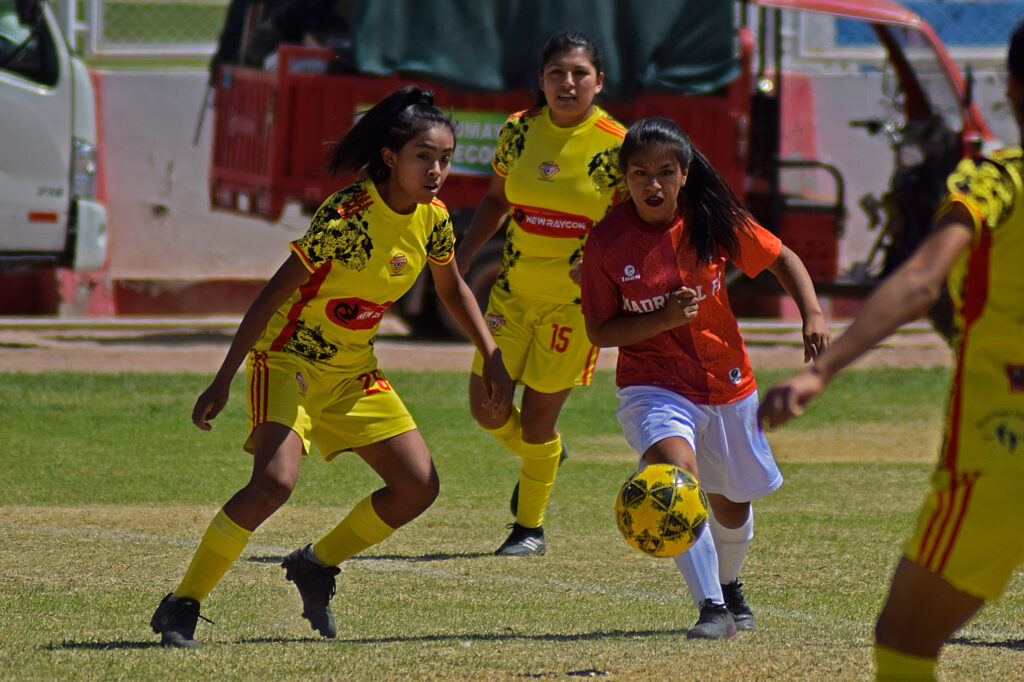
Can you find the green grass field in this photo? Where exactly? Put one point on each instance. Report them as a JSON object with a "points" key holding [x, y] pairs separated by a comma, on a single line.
{"points": [[107, 487]]}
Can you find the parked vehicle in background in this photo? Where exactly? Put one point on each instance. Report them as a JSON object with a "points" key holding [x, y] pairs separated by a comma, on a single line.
{"points": [[49, 212], [271, 124]]}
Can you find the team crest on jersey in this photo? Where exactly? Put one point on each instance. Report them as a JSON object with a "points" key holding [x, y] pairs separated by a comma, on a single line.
{"points": [[301, 381], [735, 376], [494, 322], [398, 262], [548, 170], [1015, 373], [629, 274]]}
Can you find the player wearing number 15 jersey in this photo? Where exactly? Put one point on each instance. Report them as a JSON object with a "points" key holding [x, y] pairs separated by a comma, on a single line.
{"points": [[555, 175], [312, 375]]}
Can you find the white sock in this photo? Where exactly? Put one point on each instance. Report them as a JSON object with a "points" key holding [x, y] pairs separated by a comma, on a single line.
{"points": [[699, 566], [731, 545]]}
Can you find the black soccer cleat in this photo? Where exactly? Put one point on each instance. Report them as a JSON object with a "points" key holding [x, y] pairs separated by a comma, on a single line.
{"points": [[175, 621], [513, 502], [316, 587], [715, 622], [523, 541], [737, 605]]}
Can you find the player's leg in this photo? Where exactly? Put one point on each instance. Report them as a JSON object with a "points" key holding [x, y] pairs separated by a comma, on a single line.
{"points": [[661, 425], [738, 466], [698, 564], [922, 611], [732, 528], [540, 447], [278, 451]]}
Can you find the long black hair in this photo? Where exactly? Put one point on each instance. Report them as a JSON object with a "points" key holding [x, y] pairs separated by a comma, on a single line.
{"points": [[714, 210], [563, 42], [1015, 55], [390, 123]]}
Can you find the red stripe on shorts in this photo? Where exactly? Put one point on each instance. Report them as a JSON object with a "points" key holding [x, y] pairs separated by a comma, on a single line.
{"points": [[955, 533], [588, 370]]}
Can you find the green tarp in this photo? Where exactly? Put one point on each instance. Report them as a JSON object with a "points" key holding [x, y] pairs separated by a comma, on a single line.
{"points": [[666, 45]]}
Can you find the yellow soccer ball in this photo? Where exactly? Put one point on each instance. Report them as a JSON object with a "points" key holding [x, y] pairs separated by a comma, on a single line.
{"points": [[661, 510]]}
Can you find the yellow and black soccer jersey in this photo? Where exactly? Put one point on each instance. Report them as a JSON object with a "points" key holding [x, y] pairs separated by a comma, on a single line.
{"points": [[560, 182], [986, 285], [362, 257]]}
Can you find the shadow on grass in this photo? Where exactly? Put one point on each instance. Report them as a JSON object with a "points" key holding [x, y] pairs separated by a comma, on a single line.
{"points": [[490, 637], [385, 557], [1011, 644]]}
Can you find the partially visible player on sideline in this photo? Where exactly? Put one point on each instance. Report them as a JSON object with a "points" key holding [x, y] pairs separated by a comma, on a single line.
{"points": [[968, 540], [555, 175], [312, 375], [654, 285]]}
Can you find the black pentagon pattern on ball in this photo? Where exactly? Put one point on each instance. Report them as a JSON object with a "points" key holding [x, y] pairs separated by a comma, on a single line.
{"points": [[634, 493]]}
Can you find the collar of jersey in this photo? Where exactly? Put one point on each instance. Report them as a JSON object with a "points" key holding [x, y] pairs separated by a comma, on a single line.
{"points": [[383, 210], [576, 129]]}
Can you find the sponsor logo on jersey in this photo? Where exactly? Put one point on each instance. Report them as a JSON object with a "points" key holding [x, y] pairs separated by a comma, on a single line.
{"points": [[355, 313], [550, 223], [548, 170], [629, 274], [1004, 428], [494, 322], [398, 262]]}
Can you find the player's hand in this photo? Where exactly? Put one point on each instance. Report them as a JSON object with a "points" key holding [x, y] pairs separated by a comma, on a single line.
{"points": [[576, 272], [208, 405], [498, 384], [787, 400], [682, 306], [817, 337]]}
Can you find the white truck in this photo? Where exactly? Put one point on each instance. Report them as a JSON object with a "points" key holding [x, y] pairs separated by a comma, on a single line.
{"points": [[49, 212]]}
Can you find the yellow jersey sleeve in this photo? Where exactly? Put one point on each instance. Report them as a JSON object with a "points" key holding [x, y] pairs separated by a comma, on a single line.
{"points": [[986, 187]]}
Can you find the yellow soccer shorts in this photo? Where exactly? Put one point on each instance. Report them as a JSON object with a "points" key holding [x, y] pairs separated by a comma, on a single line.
{"points": [[543, 345], [968, 531], [336, 410]]}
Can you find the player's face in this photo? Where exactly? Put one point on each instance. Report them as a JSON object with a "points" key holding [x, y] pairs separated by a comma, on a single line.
{"points": [[418, 169], [654, 177], [569, 82]]}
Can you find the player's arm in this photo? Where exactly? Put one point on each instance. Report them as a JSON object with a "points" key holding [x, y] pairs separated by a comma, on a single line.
{"points": [[905, 295], [625, 330], [290, 276], [458, 298], [487, 218], [793, 276]]}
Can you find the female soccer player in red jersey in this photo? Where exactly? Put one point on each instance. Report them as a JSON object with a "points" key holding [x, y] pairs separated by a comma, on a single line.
{"points": [[968, 541], [312, 375], [654, 285], [555, 175]]}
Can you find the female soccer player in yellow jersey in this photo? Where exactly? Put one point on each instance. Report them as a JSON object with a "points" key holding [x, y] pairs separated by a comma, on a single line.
{"points": [[555, 175], [968, 541], [312, 375]]}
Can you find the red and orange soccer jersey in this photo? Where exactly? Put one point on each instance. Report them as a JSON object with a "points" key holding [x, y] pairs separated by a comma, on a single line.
{"points": [[362, 257], [630, 268]]}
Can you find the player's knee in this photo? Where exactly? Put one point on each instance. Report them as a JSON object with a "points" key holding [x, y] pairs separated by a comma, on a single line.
{"points": [[271, 491]]}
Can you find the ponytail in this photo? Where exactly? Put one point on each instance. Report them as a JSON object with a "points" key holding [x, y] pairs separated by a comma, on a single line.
{"points": [[714, 210], [390, 123]]}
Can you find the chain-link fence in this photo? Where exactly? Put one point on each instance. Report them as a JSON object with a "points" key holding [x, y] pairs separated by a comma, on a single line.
{"points": [[153, 28], [971, 29]]}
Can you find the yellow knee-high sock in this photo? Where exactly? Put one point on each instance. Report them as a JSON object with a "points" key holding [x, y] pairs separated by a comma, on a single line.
{"points": [[357, 531], [895, 665], [222, 543], [537, 476], [510, 434]]}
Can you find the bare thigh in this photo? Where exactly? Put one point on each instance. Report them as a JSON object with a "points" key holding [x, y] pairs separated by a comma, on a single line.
{"points": [[410, 479]]}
